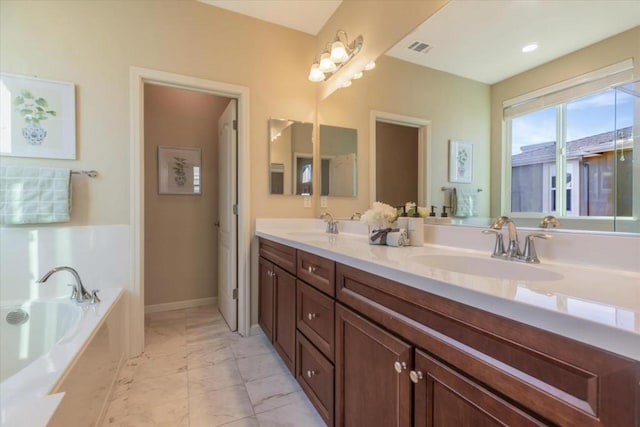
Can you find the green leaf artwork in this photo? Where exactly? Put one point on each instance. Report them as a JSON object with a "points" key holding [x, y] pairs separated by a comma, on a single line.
{"points": [[32, 109]]}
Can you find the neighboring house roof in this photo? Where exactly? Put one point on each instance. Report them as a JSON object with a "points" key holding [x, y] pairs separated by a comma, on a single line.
{"points": [[587, 146]]}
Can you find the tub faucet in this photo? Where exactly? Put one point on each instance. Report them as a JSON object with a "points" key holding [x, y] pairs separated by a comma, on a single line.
{"points": [[513, 248], [332, 224], [79, 293]]}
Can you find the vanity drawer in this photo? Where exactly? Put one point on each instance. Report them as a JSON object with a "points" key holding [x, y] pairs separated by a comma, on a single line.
{"points": [[318, 272], [281, 255], [315, 318], [315, 375]]}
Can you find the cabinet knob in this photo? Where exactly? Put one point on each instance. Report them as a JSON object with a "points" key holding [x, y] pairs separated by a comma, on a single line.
{"points": [[400, 366], [311, 316], [415, 376], [311, 269], [311, 373]]}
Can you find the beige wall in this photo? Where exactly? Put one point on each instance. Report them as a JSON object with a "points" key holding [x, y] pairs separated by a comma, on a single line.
{"points": [[458, 108], [617, 48], [93, 44], [180, 237], [396, 163]]}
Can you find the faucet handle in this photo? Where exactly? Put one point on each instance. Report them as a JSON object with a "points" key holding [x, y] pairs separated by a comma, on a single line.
{"points": [[94, 297], [529, 253], [498, 248], [549, 220]]}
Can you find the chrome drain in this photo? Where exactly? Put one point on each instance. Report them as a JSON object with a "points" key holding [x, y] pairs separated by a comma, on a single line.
{"points": [[17, 317]]}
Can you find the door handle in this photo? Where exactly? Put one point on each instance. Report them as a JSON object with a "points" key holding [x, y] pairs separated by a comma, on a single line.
{"points": [[217, 223]]}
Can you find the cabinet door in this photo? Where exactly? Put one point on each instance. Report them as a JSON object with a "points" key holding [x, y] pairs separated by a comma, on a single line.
{"points": [[266, 300], [284, 338], [369, 390], [443, 397]]}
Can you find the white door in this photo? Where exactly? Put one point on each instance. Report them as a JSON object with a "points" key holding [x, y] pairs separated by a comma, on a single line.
{"points": [[227, 230]]}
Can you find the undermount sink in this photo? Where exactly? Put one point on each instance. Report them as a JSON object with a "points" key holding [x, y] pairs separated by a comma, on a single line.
{"points": [[487, 267]]}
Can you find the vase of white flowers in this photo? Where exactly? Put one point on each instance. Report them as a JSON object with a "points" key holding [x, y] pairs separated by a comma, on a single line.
{"points": [[380, 219]]}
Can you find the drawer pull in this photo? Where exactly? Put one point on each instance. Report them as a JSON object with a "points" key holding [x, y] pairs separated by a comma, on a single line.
{"points": [[311, 374], [311, 269], [311, 316], [415, 376], [400, 366]]}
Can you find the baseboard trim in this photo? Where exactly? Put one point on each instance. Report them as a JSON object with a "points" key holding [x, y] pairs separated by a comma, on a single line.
{"points": [[156, 308], [255, 330]]}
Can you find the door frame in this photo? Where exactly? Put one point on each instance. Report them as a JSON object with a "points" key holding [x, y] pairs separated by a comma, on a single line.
{"points": [[137, 79], [424, 151]]}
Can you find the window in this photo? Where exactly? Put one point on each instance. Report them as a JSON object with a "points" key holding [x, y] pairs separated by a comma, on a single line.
{"points": [[570, 152]]}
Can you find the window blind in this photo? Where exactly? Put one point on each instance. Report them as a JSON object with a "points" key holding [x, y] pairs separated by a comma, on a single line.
{"points": [[577, 87]]}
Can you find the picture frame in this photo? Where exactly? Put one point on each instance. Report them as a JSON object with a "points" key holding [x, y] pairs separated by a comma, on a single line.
{"points": [[38, 118], [179, 170], [460, 161]]}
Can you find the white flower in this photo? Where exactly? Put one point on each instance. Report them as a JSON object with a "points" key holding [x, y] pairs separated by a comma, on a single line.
{"points": [[380, 215]]}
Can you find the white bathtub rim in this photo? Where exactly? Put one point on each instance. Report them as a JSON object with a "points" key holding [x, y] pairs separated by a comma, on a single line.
{"points": [[42, 376]]}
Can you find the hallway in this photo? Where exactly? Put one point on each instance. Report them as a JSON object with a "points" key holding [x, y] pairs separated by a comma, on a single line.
{"points": [[195, 373]]}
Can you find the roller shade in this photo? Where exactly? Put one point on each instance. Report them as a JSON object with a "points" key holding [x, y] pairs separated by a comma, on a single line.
{"points": [[569, 90]]}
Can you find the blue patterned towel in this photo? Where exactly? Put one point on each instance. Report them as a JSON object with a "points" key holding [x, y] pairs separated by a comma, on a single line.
{"points": [[34, 195]]}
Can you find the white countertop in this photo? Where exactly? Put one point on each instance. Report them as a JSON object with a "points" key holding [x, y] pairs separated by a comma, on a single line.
{"points": [[597, 306]]}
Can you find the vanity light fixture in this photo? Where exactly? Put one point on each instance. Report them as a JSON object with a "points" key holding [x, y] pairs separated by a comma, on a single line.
{"points": [[335, 56], [370, 66], [530, 48], [347, 83], [357, 75]]}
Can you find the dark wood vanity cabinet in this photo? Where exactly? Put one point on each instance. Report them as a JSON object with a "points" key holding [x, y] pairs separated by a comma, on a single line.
{"points": [[372, 377], [277, 299], [369, 351]]}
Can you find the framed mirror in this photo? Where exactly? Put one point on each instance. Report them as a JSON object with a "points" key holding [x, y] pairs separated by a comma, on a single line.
{"points": [[290, 157], [338, 161]]}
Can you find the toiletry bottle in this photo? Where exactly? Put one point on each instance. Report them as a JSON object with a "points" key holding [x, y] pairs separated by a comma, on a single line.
{"points": [[416, 229], [403, 219]]}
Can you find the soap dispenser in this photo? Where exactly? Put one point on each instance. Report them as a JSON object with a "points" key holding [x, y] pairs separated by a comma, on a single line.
{"points": [[416, 229], [403, 219]]}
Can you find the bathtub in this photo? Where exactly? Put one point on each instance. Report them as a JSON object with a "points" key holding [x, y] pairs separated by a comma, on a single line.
{"points": [[63, 347]]}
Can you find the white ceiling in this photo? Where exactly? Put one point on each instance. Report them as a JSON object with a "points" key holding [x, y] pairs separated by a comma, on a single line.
{"points": [[481, 39], [303, 15]]}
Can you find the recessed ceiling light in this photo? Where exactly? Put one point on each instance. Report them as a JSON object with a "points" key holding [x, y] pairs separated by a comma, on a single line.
{"points": [[530, 47]]}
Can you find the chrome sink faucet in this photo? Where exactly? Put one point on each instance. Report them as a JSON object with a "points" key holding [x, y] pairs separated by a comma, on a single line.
{"points": [[79, 293], [513, 248], [549, 221], [332, 224]]}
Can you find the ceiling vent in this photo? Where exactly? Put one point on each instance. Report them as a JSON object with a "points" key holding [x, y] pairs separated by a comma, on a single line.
{"points": [[420, 47]]}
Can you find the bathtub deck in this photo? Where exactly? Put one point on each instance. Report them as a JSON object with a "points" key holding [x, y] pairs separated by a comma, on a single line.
{"points": [[194, 372]]}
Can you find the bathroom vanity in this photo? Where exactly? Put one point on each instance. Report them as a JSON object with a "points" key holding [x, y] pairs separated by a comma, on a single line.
{"points": [[374, 345]]}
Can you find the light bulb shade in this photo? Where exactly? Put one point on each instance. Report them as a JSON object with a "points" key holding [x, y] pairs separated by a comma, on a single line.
{"points": [[370, 66], [315, 75], [347, 83], [357, 75], [326, 64], [338, 52]]}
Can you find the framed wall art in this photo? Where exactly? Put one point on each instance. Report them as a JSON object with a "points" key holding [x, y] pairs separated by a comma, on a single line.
{"points": [[460, 161], [179, 170], [38, 118]]}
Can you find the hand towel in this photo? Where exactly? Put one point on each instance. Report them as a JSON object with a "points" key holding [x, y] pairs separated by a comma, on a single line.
{"points": [[398, 238], [34, 195], [464, 202]]}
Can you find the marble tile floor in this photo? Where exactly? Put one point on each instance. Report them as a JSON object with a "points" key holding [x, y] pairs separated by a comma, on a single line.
{"points": [[195, 373]]}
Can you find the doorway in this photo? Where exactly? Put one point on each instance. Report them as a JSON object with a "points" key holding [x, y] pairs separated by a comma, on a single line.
{"points": [[185, 255], [138, 78], [405, 140]]}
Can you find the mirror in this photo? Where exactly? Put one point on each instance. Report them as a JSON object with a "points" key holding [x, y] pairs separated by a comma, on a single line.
{"points": [[290, 157], [461, 109], [338, 161]]}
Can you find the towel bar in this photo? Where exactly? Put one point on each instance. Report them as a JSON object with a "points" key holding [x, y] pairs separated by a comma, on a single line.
{"points": [[90, 174], [451, 188]]}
